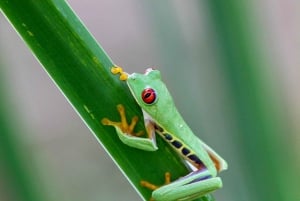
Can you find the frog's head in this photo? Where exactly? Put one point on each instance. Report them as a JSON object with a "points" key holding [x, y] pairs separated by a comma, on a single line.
{"points": [[149, 91], [145, 87]]}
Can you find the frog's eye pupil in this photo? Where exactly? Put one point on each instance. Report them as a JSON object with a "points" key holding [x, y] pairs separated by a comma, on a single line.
{"points": [[149, 95]]}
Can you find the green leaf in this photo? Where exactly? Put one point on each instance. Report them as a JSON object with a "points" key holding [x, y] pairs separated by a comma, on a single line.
{"points": [[81, 69]]}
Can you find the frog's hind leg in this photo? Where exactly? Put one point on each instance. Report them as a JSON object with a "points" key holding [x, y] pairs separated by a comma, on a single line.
{"points": [[153, 187], [188, 188]]}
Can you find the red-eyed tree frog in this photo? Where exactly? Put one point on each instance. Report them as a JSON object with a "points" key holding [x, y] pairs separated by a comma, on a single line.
{"points": [[162, 117]]}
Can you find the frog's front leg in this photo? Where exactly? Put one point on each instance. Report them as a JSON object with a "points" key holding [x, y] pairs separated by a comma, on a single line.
{"points": [[123, 124], [188, 188], [126, 133]]}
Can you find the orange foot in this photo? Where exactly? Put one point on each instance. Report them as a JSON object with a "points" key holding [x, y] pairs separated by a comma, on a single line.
{"points": [[123, 124], [153, 187]]}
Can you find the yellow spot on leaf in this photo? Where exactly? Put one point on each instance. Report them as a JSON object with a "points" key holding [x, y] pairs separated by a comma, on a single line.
{"points": [[30, 33]]}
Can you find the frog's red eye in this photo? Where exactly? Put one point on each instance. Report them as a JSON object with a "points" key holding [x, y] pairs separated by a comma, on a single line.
{"points": [[149, 95]]}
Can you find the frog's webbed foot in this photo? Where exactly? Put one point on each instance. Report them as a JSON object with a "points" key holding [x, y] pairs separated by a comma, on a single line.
{"points": [[153, 187], [118, 70], [126, 132], [123, 125]]}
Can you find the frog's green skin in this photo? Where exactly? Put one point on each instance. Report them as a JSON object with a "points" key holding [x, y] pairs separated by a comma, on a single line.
{"points": [[162, 117]]}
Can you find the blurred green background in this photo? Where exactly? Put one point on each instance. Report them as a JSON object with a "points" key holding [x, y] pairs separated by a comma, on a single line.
{"points": [[233, 70]]}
